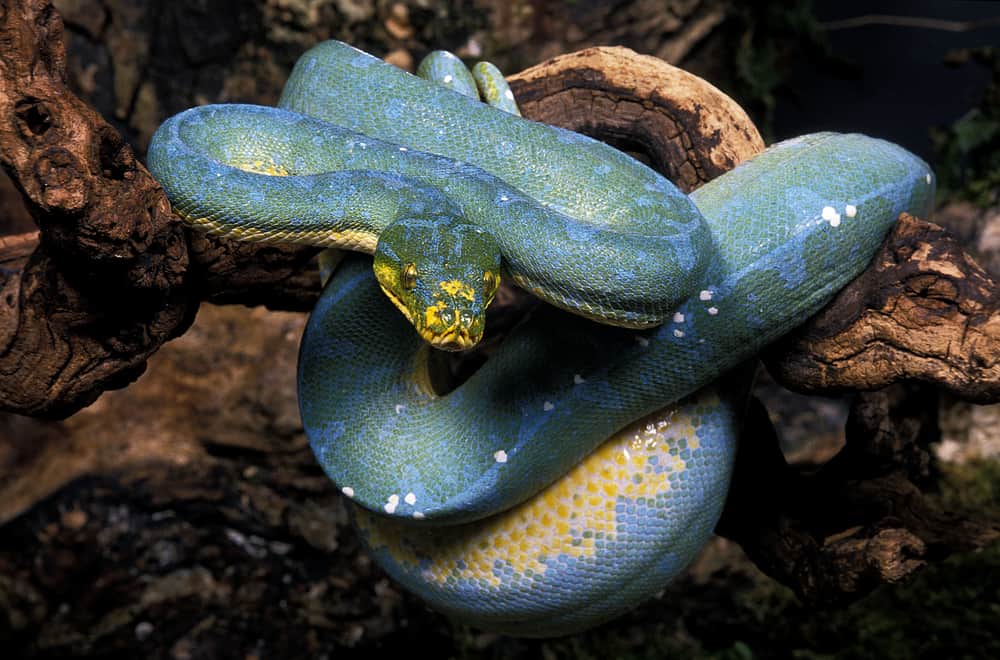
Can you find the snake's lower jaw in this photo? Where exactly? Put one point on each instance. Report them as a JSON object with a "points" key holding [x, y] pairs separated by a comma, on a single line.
{"points": [[459, 339], [459, 336]]}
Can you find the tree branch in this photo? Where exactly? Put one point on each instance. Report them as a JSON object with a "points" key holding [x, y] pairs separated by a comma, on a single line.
{"points": [[113, 275], [924, 310]]}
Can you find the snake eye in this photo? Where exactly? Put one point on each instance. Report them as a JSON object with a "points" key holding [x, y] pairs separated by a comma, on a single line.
{"points": [[408, 279], [490, 282]]}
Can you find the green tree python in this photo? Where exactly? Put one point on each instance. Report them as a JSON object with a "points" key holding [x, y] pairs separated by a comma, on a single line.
{"points": [[552, 490]]}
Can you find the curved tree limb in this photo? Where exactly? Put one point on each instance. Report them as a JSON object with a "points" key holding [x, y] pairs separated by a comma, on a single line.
{"points": [[924, 310], [835, 533], [102, 290], [112, 277], [641, 104]]}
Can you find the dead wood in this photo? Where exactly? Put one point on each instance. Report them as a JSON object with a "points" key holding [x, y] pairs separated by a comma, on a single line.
{"points": [[686, 128], [114, 274], [835, 532], [102, 290], [923, 311]]}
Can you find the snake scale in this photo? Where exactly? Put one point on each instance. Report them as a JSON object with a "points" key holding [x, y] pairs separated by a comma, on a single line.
{"points": [[551, 490]]}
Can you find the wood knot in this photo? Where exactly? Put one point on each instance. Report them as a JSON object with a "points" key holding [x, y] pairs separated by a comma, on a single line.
{"points": [[61, 180], [34, 118]]}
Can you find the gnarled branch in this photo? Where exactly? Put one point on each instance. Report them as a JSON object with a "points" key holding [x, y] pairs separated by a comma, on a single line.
{"points": [[924, 310]]}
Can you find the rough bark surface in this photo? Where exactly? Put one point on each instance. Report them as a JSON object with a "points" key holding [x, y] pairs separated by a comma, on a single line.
{"points": [[924, 310], [73, 330], [836, 532], [687, 128], [113, 277], [186, 512]]}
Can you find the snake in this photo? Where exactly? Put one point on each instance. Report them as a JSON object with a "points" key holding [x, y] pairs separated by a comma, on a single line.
{"points": [[426, 177], [587, 461]]}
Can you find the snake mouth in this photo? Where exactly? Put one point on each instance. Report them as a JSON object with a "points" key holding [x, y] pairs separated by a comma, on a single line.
{"points": [[457, 339]]}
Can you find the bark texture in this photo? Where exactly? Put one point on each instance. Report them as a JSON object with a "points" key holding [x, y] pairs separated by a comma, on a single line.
{"points": [[683, 126], [924, 310], [87, 324]]}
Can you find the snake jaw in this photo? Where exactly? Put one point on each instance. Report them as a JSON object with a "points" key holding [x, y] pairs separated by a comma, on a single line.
{"points": [[452, 324], [460, 339], [463, 332]]}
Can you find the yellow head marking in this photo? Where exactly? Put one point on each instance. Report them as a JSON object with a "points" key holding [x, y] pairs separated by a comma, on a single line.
{"points": [[432, 315], [458, 288]]}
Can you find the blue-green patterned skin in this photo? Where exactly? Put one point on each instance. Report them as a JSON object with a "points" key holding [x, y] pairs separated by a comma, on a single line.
{"points": [[446, 69], [370, 145], [792, 227], [559, 485], [483, 83], [775, 262], [493, 88]]}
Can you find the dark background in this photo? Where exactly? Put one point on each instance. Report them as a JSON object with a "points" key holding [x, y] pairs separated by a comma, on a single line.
{"points": [[896, 81]]}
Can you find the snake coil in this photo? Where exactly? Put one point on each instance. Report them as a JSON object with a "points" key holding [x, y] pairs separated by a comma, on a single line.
{"points": [[552, 490]]}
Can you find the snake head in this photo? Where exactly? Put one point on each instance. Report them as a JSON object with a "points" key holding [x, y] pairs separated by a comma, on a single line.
{"points": [[441, 275]]}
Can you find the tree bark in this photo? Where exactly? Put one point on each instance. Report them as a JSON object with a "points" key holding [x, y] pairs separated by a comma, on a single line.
{"points": [[923, 311]]}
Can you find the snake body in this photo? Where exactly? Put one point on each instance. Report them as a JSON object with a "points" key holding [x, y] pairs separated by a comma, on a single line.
{"points": [[592, 230], [506, 541], [792, 226]]}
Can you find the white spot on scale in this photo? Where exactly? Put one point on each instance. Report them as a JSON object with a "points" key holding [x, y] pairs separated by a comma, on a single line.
{"points": [[547, 406], [830, 215], [678, 333], [500, 456], [390, 506], [447, 79], [403, 149], [400, 408], [504, 198], [705, 295], [418, 515], [347, 490], [713, 311], [850, 210], [410, 498], [678, 317], [578, 379]]}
